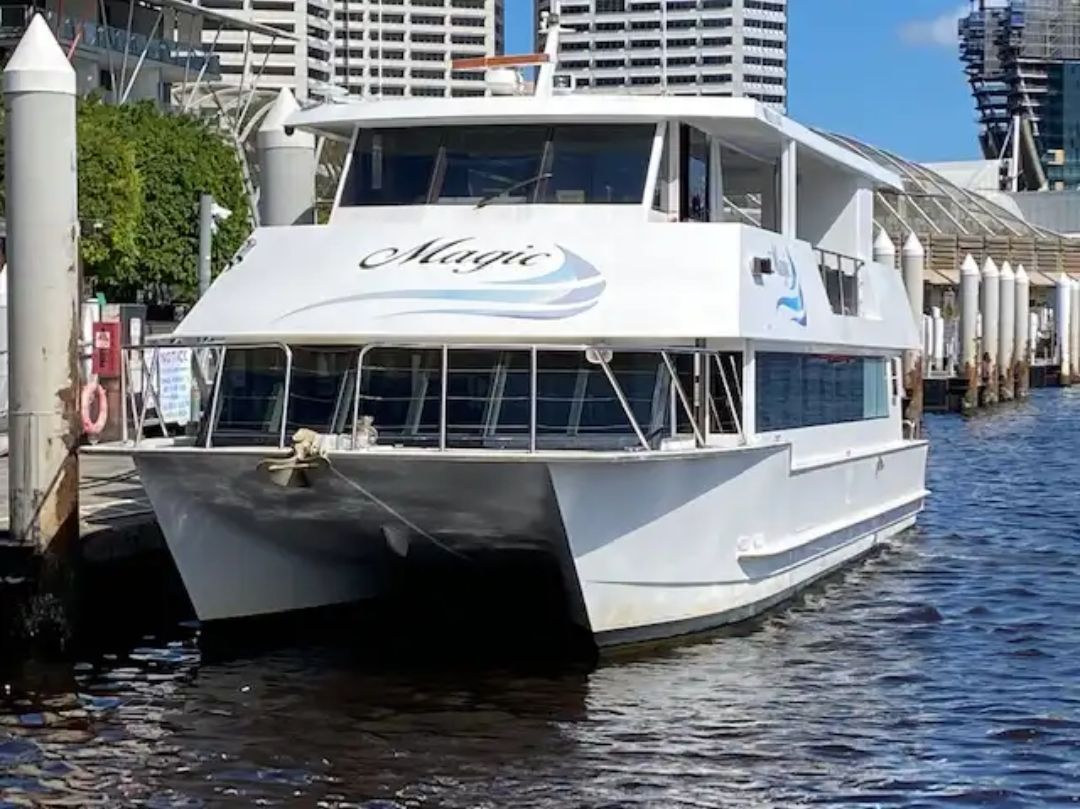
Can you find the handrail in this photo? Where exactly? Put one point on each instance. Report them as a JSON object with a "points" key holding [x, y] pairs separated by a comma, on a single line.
{"points": [[679, 397], [224, 345], [840, 306], [533, 348]]}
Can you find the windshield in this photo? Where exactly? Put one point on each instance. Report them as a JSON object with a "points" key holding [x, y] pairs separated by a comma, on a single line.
{"points": [[578, 163]]}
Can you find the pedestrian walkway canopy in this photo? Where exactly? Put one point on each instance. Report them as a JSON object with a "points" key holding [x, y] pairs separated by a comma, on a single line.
{"points": [[952, 222]]}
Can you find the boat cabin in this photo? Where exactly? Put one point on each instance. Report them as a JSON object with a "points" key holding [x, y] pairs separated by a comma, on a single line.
{"points": [[561, 273]]}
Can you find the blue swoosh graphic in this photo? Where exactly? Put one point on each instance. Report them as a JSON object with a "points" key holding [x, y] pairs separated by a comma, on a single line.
{"points": [[551, 295], [794, 303]]}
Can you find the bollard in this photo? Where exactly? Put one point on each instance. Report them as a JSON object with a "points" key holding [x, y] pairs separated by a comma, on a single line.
{"points": [[286, 168], [1021, 324], [913, 264], [206, 240], [990, 312], [43, 293], [1062, 305], [969, 320], [1006, 331]]}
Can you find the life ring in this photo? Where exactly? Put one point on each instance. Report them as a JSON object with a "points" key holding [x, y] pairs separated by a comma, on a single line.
{"points": [[89, 393]]}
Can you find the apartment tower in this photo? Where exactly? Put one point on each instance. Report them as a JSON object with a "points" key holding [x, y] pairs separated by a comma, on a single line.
{"points": [[680, 47], [405, 47]]}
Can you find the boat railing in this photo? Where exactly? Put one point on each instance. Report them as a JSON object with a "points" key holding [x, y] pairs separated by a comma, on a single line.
{"points": [[142, 390], [841, 276], [603, 401]]}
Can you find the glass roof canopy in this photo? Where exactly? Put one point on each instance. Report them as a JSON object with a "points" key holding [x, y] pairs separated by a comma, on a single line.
{"points": [[931, 204], [952, 223]]}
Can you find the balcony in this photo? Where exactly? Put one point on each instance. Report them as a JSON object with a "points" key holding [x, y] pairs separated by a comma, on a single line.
{"points": [[94, 36]]}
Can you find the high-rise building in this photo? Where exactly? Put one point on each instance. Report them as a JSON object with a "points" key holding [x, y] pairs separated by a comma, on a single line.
{"points": [[301, 61], [681, 47], [405, 47], [1022, 59]]}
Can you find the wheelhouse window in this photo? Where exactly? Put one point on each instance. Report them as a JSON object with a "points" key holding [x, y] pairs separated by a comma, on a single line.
{"points": [[499, 398], [504, 164], [807, 390], [251, 397]]}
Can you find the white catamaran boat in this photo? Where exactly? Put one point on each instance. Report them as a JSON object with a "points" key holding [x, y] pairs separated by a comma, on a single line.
{"points": [[637, 340]]}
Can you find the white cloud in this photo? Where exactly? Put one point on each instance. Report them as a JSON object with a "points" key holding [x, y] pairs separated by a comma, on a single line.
{"points": [[939, 31]]}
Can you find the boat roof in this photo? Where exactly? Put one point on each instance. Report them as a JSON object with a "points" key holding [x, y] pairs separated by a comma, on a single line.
{"points": [[742, 124]]}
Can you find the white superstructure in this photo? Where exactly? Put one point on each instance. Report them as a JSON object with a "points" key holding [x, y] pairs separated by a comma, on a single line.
{"points": [[686, 47], [392, 48], [543, 337]]}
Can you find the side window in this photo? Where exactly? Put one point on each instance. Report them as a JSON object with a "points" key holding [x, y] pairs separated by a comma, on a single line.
{"points": [[662, 199], [695, 175]]}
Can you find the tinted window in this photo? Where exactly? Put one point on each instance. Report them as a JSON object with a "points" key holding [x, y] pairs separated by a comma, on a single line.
{"points": [[393, 167], [400, 390], [480, 161], [251, 398], [598, 164], [805, 390], [604, 164]]}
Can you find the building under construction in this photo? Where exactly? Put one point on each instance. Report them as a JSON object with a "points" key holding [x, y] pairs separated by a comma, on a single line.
{"points": [[1022, 59]]}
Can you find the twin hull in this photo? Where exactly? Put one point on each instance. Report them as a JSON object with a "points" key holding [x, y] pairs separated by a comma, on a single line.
{"points": [[644, 547]]}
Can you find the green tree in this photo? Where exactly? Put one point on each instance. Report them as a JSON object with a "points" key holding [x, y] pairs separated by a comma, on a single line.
{"points": [[110, 200], [141, 171]]}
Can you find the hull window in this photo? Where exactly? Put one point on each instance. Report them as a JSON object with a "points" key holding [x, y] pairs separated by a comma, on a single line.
{"points": [[807, 390]]}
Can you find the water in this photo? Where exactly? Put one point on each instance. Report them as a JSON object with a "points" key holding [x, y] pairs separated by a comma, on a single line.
{"points": [[943, 671]]}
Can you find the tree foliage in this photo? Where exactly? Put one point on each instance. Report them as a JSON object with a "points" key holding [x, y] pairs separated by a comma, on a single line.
{"points": [[141, 172]]}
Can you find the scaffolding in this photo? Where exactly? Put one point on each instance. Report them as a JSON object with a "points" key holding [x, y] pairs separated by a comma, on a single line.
{"points": [[1017, 59]]}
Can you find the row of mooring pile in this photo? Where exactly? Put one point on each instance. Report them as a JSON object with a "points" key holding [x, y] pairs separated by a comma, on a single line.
{"points": [[45, 321], [43, 276], [994, 330]]}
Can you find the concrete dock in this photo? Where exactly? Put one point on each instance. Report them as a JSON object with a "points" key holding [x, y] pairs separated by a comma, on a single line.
{"points": [[115, 515]]}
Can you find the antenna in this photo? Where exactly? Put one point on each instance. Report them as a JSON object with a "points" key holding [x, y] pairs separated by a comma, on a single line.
{"points": [[549, 25]]}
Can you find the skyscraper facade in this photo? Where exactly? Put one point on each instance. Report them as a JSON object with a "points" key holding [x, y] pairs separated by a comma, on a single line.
{"points": [[681, 47], [300, 60], [1022, 59], [405, 47], [365, 48]]}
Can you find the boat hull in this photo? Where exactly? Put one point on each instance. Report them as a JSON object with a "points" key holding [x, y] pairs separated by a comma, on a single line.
{"points": [[639, 548]]}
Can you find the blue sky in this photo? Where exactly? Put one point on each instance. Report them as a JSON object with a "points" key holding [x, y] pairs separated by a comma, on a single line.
{"points": [[885, 71]]}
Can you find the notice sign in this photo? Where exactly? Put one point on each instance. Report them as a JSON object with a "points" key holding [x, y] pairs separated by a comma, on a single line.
{"points": [[173, 367]]}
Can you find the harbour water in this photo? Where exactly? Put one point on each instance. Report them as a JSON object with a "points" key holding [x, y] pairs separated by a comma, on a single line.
{"points": [[944, 670]]}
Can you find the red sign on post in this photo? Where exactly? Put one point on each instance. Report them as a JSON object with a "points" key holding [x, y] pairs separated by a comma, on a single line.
{"points": [[106, 351]]}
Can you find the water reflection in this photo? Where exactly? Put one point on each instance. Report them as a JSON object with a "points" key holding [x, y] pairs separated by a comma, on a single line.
{"points": [[944, 670]]}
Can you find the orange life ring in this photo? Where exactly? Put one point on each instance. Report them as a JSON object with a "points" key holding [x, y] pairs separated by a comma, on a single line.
{"points": [[89, 393]]}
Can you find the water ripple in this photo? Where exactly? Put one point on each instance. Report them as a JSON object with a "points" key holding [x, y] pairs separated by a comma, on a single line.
{"points": [[943, 671]]}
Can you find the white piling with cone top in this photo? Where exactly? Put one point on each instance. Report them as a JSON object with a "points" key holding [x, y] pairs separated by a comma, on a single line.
{"points": [[1007, 330], [913, 264], [1074, 328], [1062, 318], [1020, 325], [884, 250], [43, 291], [969, 329], [991, 310], [286, 167]]}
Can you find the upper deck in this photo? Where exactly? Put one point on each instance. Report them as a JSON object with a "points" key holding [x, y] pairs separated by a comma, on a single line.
{"points": [[743, 124], [572, 219]]}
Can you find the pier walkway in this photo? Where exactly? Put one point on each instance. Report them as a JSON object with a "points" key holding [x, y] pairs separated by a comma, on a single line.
{"points": [[110, 495]]}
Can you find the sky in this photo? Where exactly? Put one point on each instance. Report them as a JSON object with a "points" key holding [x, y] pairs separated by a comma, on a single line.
{"points": [[884, 71]]}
